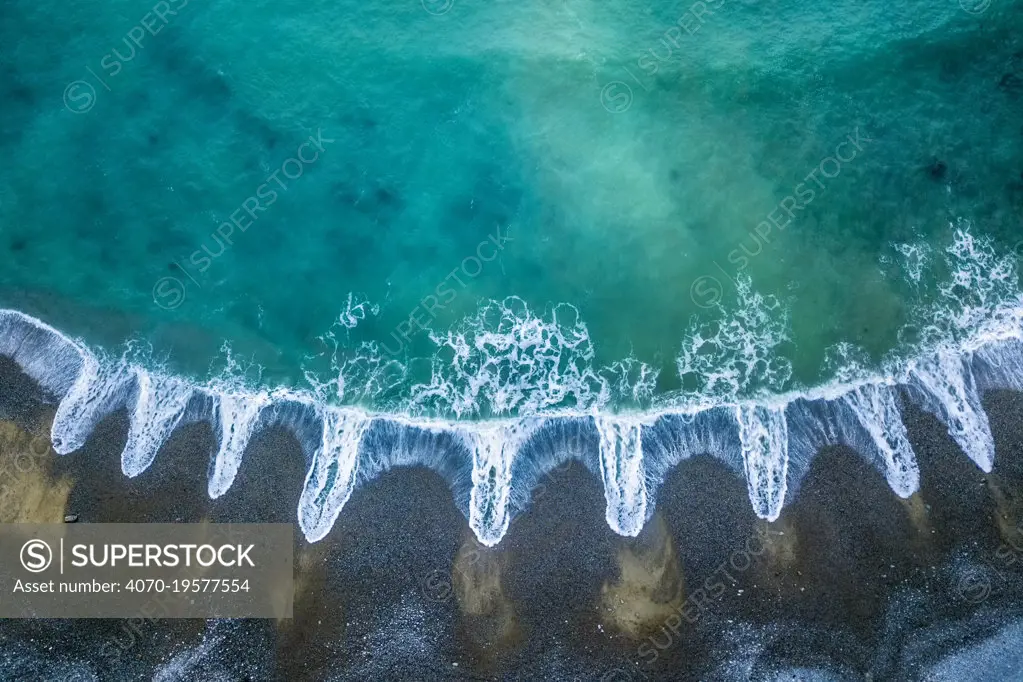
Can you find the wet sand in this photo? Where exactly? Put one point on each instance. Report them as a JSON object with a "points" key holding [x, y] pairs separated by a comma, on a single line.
{"points": [[851, 583]]}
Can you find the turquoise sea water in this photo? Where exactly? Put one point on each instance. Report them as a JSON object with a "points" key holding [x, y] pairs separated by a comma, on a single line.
{"points": [[621, 168]]}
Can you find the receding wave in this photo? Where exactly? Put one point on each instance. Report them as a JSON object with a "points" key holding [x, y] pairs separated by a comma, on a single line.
{"points": [[523, 396]]}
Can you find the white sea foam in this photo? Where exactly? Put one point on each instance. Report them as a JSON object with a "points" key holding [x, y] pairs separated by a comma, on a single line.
{"points": [[876, 407], [509, 360], [100, 388], [526, 373], [621, 467], [726, 360], [52, 359], [355, 311], [493, 447], [237, 416], [947, 386], [914, 260], [764, 438], [365, 375], [332, 474], [160, 405]]}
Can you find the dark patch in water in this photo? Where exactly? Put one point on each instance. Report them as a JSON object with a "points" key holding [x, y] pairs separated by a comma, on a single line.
{"points": [[14, 89], [344, 193], [214, 87], [375, 201], [385, 197], [1011, 83], [937, 169], [258, 128], [22, 93]]}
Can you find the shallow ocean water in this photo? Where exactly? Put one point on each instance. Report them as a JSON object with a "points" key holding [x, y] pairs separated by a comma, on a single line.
{"points": [[627, 163]]}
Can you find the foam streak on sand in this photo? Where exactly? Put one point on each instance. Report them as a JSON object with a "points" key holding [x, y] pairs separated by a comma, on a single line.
{"points": [[92, 396], [950, 391], [331, 477], [493, 448], [763, 433], [621, 467], [237, 414], [876, 408], [160, 405], [768, 438]]}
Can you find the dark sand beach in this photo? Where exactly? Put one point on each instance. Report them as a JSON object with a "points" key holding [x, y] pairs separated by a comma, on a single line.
{"points": [[851, 583]]}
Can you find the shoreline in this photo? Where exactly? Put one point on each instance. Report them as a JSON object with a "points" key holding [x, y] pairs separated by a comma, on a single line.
{"points": [[772, 444]]}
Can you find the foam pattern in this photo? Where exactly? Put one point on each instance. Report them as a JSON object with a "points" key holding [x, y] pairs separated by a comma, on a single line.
{"points": [[527, 397]]}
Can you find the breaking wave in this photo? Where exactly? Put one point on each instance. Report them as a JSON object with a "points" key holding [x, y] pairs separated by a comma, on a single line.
{"points": [[510, 394]]}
